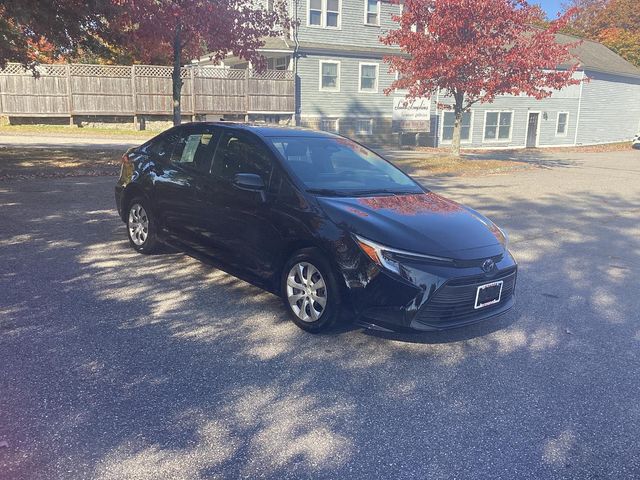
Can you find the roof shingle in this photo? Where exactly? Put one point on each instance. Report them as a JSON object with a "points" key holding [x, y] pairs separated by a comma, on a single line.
{"points": [[596, 57]]}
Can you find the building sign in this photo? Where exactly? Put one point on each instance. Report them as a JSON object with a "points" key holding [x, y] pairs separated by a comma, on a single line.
{"points": [[411, 115]]}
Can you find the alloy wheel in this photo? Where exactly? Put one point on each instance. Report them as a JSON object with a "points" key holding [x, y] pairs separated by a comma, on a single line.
{"points": [[306, 292], [138, 224]]}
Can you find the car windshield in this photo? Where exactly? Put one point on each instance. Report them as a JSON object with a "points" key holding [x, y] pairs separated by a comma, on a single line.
{"points": [[339, 166]]}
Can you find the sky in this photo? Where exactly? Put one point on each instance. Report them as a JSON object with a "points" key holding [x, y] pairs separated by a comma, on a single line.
{"points": [[552, 7]]}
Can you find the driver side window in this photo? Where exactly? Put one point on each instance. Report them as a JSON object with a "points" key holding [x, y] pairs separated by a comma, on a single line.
{"points": [[239, 153]]}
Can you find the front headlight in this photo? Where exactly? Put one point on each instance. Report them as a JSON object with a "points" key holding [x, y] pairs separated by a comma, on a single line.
{"points": [[390, 258], [505, 235]]}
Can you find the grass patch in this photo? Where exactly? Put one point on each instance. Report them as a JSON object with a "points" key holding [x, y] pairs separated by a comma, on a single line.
{"points": [[444, 165]]}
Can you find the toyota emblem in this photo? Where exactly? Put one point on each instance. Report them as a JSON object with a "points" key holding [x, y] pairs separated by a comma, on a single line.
{"points": [[488, 265]]}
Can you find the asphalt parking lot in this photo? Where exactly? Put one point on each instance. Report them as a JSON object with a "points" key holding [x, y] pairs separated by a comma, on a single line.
{"points": [[120, 366]]}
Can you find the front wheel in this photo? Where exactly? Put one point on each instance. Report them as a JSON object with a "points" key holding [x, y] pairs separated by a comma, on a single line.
{"points": [[310, 291]]}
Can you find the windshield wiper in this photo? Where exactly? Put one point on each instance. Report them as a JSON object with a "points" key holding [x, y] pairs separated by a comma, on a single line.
{"points": [[360, 193], [383, 191], [327, 191]]}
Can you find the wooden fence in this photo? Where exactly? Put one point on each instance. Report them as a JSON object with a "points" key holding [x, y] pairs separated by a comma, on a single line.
{"points": [[78, 90]]}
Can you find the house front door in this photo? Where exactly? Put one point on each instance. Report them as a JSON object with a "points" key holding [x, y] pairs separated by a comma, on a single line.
{"points": [[532, 130]]}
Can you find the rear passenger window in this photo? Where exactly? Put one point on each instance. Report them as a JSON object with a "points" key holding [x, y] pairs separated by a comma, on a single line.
{"points": [[239, 153], [194, 151]]}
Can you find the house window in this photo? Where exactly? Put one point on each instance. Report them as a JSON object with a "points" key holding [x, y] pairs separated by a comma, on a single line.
{"points": [[372, 12], [329, 124], [369, 77], [315, 12], [364, 126], [333, 13], [497, 126], [281, 63], [278, 63], [448, 121], [330, 76], [324, 13], [562, 124]]}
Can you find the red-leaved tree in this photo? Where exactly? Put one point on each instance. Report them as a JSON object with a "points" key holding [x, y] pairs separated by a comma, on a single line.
{"points": [[176, 31], [476, 50]]}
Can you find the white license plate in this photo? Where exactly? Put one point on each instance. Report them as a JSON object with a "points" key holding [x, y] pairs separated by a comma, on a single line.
{"points": [[488, 294]]}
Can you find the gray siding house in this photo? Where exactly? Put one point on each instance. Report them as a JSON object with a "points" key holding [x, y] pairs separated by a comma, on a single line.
{"points": [[340, 78]]}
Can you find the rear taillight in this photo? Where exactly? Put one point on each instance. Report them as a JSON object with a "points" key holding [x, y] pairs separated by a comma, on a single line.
{"points": [[126, 167]]}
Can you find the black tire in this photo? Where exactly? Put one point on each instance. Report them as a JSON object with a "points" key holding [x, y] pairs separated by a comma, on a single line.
{"points": [[331, 310], [150, 243]]}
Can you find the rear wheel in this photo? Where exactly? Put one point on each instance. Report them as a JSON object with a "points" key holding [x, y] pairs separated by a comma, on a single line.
{"points": [[141, 227], [309, 291]]}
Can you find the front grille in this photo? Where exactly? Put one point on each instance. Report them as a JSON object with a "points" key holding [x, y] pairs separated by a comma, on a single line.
{"points": [[454, 302]]}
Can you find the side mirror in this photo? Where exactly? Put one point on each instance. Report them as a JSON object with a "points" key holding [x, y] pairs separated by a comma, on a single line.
{"points": [[248, 181], [251, 182]]}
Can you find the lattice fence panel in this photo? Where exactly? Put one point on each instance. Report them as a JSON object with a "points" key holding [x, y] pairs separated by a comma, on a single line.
{"points": [[14, 69], [100, 70], [159, 71], [272, 75], [213, 72], [52, 70], [46, 70]]}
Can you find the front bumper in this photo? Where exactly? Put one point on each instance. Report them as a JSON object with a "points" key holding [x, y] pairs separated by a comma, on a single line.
{"points": [[453, 305], [428, 297]]}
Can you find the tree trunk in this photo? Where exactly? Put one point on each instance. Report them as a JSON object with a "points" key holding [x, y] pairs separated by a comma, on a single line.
{"points": [[175, 76], [457, 126]]}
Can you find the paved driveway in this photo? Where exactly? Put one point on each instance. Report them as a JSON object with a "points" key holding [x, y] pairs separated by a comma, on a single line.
{"points": [[120, 366]]}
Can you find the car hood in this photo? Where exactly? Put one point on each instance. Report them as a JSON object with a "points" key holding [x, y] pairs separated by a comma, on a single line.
{"points": [[423, 223]]}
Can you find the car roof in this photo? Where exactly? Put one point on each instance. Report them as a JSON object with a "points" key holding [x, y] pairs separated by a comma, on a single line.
{"points": [[269, 130]]}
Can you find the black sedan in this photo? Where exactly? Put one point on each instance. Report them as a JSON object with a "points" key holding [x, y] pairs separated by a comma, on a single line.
{"points": [[318, 219]]}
